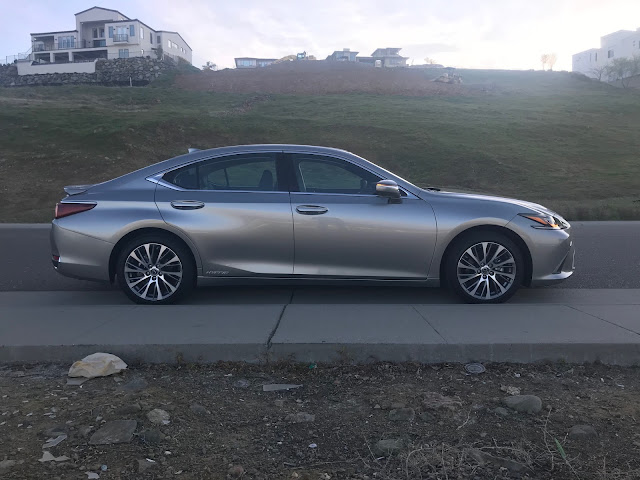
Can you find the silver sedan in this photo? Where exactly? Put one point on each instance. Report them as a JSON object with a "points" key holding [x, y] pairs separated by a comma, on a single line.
{"points": [[291, 213]]}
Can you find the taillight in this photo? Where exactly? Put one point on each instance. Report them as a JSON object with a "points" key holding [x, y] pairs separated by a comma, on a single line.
{"points": [[66, 209]]}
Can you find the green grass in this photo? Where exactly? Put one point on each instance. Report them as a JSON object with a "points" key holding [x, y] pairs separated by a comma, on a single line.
{"points": [[552, 138]]}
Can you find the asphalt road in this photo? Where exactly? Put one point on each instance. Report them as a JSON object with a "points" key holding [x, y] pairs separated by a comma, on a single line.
{"points": [[607, 256]]}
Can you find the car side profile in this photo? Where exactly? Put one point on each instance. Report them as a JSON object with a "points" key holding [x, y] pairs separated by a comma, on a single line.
{"points": [[291, 213]]}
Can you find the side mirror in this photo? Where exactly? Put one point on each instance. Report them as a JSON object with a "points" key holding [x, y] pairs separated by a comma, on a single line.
{"points": [[387, 188]]}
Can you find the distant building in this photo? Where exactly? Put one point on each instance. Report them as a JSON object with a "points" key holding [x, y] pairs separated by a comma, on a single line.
{"points": [[344, 55], [105, 33], [620, 44], [251, 62], [387, 57]]}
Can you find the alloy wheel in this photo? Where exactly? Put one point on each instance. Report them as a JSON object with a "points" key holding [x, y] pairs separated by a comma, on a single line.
{"points": [[486, 270], [153, 271]]}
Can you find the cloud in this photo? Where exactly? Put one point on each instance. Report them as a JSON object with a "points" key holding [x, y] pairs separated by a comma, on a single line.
{"points": [[462, 33]]}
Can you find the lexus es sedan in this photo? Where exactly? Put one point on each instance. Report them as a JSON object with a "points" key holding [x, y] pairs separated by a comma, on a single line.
{"points": [[292, 213]]}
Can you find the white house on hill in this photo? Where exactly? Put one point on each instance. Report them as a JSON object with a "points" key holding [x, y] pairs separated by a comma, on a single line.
{"points": [[623, 43], [105, 33]]}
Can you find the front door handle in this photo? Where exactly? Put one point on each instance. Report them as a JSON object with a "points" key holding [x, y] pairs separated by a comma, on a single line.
{"points": [[187, 204], [311, 209]]}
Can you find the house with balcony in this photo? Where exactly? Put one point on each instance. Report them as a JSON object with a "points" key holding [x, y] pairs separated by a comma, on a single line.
{"points": [[104, 33], [344, 55], [385, 57], [252, 62], [620, 44]]}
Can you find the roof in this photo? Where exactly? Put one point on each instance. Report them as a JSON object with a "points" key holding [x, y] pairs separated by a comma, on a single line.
{"points": [[169, 31], [50, 33], [132, 20], [102, 8]]}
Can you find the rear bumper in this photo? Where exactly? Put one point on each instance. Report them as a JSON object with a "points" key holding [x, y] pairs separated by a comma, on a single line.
{"points": [[79, 256]]}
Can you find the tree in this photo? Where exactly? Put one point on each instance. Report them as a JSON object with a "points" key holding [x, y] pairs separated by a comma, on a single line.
{"points": [[159, 52], [544, 58], [624, 68], [551, 60], [430, 61], [598, 72], [210, 66]]}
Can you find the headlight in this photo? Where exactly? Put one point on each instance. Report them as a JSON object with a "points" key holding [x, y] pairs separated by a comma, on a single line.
{"points": [[548, 222]]}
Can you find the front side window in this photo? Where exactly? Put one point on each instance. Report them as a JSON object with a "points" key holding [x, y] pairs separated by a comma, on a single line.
{"points": [[320, 174], [132, 30], [254, 172]]}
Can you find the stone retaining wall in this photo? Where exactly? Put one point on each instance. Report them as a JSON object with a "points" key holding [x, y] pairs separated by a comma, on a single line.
{"points": [[118, 71]]}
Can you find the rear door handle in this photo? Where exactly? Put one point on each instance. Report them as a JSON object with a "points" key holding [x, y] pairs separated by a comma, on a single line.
{"points": [[311, 209], [187, 204]]}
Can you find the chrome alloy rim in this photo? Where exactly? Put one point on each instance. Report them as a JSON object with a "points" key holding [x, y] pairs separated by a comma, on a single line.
{"points": [[153, 271], [486, 270]]}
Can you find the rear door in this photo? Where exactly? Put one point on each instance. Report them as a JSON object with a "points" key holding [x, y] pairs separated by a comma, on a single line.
{"points": [[343, 229], [236, 210]]}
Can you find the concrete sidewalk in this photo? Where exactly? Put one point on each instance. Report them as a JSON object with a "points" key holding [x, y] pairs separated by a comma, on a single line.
{"points": [[570, 325]]}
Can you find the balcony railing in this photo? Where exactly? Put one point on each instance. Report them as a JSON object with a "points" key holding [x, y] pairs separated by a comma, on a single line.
{"points": [[67, 45], [120, 37]]}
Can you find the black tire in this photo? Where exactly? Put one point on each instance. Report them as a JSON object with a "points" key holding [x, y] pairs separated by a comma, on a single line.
{"points": [[188, 269], [459, 248]]}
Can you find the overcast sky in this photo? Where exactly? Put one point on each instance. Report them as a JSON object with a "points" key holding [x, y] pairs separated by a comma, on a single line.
{"points": [[508, 34]]}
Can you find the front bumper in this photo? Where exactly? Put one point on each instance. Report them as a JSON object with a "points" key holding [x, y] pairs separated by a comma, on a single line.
{"points": [[79, 256], [552, 252]]}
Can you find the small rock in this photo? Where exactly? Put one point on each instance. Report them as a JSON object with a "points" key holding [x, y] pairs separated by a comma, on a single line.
{"points": [[158, 416], [7, 464], [509, 390], [129, 409], [236, 471], [427, 417], [275, 387], [118, 431], [523, 403], [402, 414], [388, 446], [134, 385], [47, 457], [483, 457], [241, 383], [85, 430], [300, 417], [501, 411], [579, 432], [278, 402], [151, 436], [52, 442], [199, 409], [144, 465], [435, 401]]}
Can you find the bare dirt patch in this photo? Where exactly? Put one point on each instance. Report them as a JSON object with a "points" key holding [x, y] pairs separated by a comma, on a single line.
{"points": [[372, 422], [321, 77]]}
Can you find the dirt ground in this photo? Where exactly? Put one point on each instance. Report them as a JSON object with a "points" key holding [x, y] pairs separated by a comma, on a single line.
{"points": [[379, 421], [321, 77]]}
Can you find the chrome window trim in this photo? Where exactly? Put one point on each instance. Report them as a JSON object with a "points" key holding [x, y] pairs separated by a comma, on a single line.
{"points": [[409, 194], [157, 179]]}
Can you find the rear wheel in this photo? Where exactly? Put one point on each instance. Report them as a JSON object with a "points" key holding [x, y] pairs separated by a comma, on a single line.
{"points": [[485, 267], [155, 269]]}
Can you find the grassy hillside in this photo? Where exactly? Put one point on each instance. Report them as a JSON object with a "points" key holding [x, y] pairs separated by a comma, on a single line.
{"points": [[552, 138]]}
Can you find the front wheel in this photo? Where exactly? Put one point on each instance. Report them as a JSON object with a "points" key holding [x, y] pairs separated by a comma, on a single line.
{"points": [[485, 267], [155, 270]]}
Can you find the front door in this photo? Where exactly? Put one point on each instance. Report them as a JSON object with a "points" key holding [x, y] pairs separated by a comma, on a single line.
{"points": [[343, 229], [235, 210]]}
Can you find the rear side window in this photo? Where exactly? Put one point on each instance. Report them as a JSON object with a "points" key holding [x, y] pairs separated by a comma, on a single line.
{"points": [[254, 172]]}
